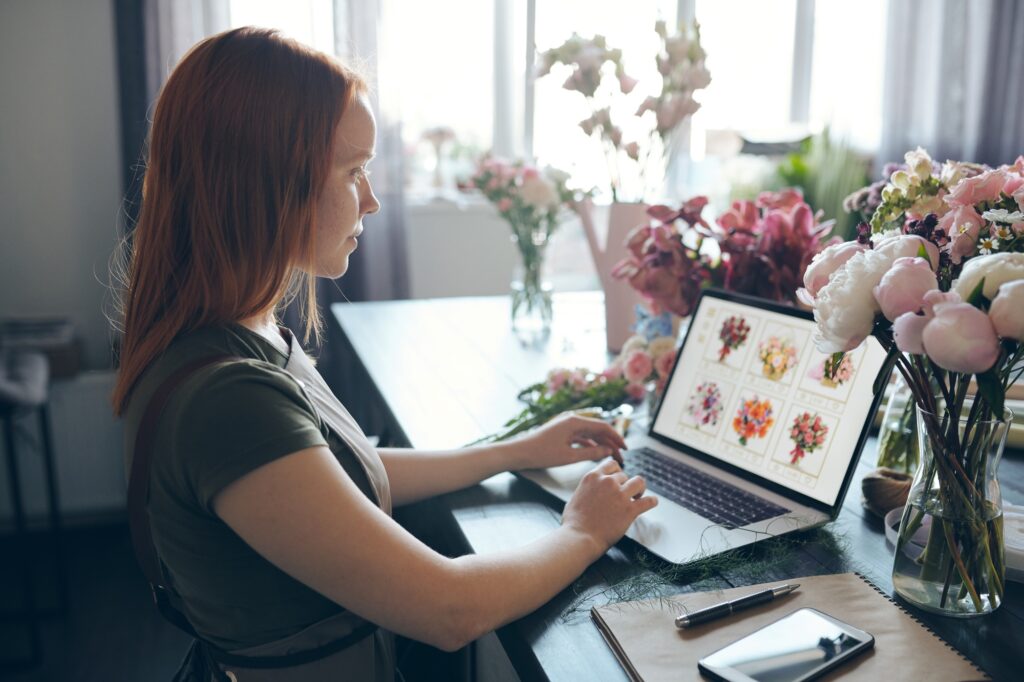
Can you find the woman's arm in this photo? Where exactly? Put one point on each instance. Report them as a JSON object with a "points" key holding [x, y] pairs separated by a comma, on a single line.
{"points": [[304, 514], [417, 474]]}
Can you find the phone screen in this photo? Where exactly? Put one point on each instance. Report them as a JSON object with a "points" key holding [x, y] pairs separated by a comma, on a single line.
{"points": [[795, 647]]}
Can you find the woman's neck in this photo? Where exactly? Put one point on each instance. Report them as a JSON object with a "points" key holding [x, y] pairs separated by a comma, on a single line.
{"points": [[266, 326]]}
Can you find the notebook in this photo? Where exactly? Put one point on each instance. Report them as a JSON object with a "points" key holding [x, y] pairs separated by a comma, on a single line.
{"points": [[643, 636], [751, 439]]}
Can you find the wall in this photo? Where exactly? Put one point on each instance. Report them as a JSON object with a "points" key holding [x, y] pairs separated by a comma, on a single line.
{"points": [[60, 184]]}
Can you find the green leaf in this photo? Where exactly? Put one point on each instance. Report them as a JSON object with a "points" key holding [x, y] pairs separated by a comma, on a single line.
{"points": [[883, 374], [991, 389], [976, 296]]}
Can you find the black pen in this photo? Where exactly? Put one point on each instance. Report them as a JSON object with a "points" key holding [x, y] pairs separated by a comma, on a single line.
{"points": [[727, 607]]}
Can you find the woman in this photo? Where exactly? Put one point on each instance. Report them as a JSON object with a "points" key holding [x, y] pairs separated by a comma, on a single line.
{"points": [[269, 510]]}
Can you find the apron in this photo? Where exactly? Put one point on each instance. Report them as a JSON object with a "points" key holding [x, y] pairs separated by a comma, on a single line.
{"points": [[372, 658]]}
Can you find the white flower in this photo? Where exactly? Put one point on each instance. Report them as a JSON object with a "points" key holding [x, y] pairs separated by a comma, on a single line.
{"points": [[845, 308], [1001, 215], [987, 245], [1003, 232], [635, 342], [539, 193], [996, 269], [879, 237], [952, 173], [920, 163]]}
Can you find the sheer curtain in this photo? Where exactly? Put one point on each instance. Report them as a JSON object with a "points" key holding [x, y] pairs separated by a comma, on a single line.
{"points": [[954, 80]]}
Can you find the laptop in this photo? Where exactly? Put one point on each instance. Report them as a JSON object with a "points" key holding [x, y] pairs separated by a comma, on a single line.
{"points": [[751, 439]]}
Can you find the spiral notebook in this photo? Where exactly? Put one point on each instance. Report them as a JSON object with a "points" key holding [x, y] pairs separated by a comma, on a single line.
{"points": [[643, 636]]}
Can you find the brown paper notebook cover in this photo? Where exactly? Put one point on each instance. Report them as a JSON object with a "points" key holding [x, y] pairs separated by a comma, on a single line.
{"points": [[645, 640]]}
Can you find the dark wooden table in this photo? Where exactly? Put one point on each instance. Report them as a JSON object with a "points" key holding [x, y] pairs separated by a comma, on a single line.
{"points": [[441, 373]]}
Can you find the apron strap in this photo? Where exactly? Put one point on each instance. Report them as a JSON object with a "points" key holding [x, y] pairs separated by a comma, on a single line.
{"points": [[145, 551]]}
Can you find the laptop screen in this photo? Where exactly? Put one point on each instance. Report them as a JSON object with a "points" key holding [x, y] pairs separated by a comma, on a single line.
{"points": [[749, 389]]}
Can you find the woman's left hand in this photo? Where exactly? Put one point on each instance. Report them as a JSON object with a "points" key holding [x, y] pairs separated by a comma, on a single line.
{"points": [[567, 439]]}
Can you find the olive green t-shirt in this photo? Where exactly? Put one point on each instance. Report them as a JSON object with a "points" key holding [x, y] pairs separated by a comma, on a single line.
{"points": [[225, 421]]}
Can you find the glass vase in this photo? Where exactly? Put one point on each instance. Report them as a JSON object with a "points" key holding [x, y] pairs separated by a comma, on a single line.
{"points": [[531, 294], [949, 549], [897, 434]]}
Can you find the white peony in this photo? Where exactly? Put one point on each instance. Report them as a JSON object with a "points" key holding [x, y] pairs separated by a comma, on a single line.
{"points": [[845, 308], [539, 193], [996, 269]]}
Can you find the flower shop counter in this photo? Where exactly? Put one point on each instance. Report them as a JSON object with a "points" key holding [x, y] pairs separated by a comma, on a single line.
{"points": [[444, 372]]}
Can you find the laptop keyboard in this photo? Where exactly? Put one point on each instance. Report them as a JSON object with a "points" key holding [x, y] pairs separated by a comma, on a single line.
{"points": [[692, 489]]}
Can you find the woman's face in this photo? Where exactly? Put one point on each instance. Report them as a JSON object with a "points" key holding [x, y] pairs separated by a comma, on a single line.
{"points": [[347, 195]]}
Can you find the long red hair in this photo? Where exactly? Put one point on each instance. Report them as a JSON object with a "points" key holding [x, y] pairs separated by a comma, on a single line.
{"points": [[239, 151]]}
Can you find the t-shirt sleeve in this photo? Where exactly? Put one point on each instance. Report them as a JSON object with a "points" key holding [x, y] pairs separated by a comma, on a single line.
{"points": [[238, 418]]}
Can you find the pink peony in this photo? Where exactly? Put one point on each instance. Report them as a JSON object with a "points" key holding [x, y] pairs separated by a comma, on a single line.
{"points": [[638, 367], [907, 330], [903, 287], [960, 338], [984, 187], [1007, 310], [826, 262], [908, 246]]}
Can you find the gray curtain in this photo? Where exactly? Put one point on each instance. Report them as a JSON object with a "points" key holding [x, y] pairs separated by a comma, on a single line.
{"points": [[954, 80], [174, 26]]}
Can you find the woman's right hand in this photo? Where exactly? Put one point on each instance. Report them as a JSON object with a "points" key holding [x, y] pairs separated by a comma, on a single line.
{"points": [[605, 503]]}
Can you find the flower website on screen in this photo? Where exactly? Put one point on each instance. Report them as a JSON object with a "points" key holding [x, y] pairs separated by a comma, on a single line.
{"points": [[753, 391]]}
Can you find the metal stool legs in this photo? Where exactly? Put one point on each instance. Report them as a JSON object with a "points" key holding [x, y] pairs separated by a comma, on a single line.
{"points": [[53, 501], [21, 551]]}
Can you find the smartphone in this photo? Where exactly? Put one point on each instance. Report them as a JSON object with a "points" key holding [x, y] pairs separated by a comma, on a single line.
{"points": [[801, 646]]}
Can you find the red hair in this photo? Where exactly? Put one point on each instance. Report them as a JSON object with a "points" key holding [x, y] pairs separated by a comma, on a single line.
{"points": [[239, 151]]}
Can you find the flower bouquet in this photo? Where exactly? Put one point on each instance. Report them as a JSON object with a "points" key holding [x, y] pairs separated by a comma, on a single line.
{"points": [[645, 365], [838, 375], [777, 356], [753, 419], [680, 63], [733, 334], [938, 279], [705, 405], [763, 249], [532, 202], [808, 434]]}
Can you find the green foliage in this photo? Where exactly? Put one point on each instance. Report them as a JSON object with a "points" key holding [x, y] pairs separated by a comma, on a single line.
{"points": [[827, 171]]}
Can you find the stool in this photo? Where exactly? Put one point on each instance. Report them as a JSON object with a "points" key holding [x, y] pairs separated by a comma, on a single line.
{"points": [[24, 382]]}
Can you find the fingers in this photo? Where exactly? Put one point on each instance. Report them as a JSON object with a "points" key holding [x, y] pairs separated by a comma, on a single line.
{"points": [[634, 487], [596, 430], [609, 467]]}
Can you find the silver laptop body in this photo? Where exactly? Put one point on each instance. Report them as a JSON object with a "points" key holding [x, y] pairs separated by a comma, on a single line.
{"points": [[799, 467]]}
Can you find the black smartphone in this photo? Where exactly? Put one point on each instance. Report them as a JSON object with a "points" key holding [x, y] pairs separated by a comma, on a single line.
{"points": [[801, 646]]}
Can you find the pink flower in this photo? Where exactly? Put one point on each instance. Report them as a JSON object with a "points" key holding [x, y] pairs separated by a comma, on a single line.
{"points": [[638, 367], [626, 83], [960, 338], [1012, 184], [504, 204], [557, 378], [909, 246], [962, 225], [826, 262], [1007, 311], [984, 187], [908, 327], [612, 372], [903, 287], [1018, 196], [530, 173], [742, 215], [784, 199], [633, 151], [663, 365], [636, 391]]}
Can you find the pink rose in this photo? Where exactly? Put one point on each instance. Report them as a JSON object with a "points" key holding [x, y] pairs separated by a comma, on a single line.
{"points": [[1012, 184], [1007, 310], [826, 262], [962, 225], [612, 372], [984, 187], [638, 366], [663, 365], [903, 287], [504, 204], [960, 338], [636, 391], [557, 378]]}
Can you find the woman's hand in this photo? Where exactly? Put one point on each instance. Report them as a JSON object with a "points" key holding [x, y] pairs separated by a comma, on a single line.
{"points": [[567, 439], [605, 503]]}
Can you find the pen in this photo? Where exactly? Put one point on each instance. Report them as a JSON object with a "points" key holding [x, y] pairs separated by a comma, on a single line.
{"points": [[727, 607]]}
